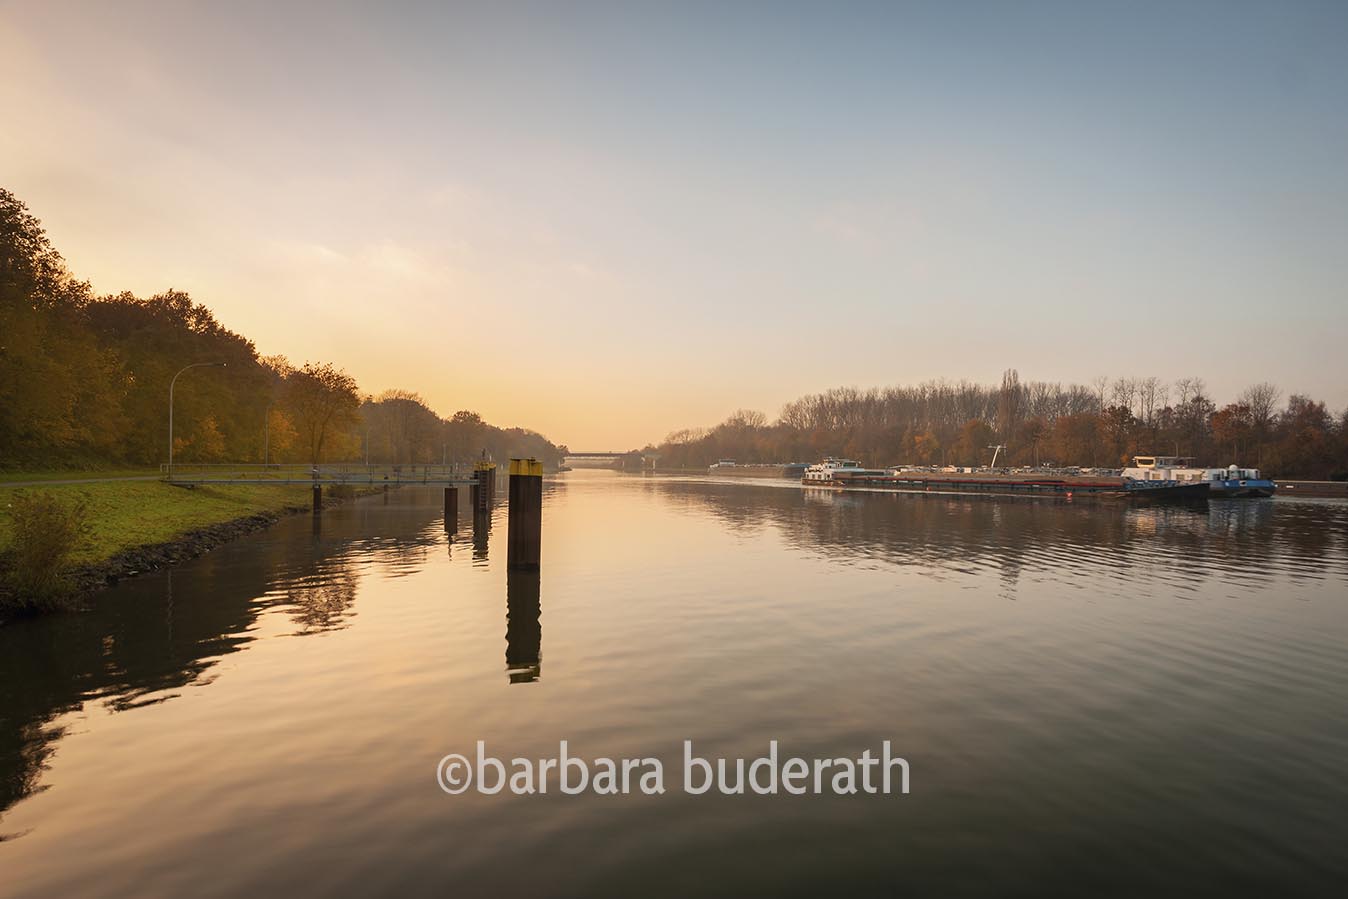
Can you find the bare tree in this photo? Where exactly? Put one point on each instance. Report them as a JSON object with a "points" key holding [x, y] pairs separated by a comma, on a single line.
{"points": [[1262, 399], [1124, 393], [1101, 385], [1009, 401]]}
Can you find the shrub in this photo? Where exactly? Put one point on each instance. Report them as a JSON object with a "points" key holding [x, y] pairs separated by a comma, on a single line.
{"points": [[46, 533]]}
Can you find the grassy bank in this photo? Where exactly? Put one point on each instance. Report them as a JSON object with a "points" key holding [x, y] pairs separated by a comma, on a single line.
{"points": [[124, 515], [74, 474]]}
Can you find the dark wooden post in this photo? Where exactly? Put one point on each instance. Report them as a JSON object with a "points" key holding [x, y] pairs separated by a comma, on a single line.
{"points": [[484, 486], [451, 508], [318, 499], [525, 528]]}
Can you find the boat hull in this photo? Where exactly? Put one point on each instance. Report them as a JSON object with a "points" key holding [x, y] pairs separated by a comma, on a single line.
{"points": [[1242, 489], [1066, 487]]}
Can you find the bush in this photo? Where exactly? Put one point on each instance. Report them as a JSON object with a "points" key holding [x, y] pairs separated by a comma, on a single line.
{"points": [[46, 533]]}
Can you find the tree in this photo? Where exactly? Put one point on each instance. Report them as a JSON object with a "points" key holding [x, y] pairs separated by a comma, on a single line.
{"points": [[1261, 400], [1032, 434], [1009, 402], [322, 400], [83, 379], [975, 437], [926, 448], [1233, 427]]}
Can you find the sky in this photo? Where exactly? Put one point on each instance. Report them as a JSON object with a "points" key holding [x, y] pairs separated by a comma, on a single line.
{"points": [[607, 222]]}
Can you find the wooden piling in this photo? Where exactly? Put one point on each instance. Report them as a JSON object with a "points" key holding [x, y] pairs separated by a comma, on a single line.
{"points": [[484, 486], [318, 499], [525, 527], [451, 508]]}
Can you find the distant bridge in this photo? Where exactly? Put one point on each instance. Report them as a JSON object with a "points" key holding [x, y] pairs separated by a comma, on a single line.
{"points": [[608, 460]]}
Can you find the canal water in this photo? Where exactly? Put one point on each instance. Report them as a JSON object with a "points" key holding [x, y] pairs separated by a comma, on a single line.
{"points": [[1093, 699]]}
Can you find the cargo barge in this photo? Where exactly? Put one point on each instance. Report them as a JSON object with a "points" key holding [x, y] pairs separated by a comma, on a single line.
{"points": [[846, 474], [729, 468]]}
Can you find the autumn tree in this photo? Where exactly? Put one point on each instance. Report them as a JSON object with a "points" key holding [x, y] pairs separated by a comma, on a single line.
{"points": [[1232, 427], [975, 437], [322, 401]]}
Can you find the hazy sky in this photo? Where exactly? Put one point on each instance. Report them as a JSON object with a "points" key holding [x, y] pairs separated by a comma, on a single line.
{"points": [[666, 212]]}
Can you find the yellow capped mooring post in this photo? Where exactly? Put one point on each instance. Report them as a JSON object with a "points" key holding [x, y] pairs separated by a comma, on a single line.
{"points": [[525, 528]]}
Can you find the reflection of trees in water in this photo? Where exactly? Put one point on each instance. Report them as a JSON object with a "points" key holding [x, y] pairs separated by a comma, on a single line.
{"points": [[961, 533], [323, 601], [140, 641], [153, 635], [731, 503], [524, 630]]}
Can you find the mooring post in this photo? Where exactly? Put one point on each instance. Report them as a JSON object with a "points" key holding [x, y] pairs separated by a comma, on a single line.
{"points": [[484, 486], [525, 527], [318, 499], [451, 508]]}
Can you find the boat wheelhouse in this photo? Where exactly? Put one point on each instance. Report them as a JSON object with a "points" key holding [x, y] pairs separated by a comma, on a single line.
{"points": [[832, 471], [1232, 481]]}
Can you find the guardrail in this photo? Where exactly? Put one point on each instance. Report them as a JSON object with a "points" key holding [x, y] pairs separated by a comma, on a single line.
{"points": [[246, 473]]}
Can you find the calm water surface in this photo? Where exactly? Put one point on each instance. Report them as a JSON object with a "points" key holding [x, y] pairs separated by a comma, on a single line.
{"points": [[1094, 699]]}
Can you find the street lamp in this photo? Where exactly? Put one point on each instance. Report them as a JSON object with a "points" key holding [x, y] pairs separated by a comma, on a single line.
{"points": [[171, 383]]}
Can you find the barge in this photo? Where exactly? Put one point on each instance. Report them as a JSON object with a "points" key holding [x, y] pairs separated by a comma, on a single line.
{"points": [[848, 474]]}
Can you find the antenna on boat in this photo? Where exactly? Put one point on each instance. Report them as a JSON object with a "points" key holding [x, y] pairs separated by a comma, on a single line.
{"points": [[996, 452]]}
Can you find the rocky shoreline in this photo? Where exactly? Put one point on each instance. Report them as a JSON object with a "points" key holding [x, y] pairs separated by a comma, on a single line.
{"points": [[87, 580]]}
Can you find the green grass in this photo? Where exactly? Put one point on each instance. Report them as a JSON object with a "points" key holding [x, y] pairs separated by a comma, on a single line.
{"points": [[72, 474], [140, 513]]}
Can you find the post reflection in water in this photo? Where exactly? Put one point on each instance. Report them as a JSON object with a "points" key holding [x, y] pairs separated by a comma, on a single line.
{"points": [[481, 535], [524, 632], [1077, 685]]}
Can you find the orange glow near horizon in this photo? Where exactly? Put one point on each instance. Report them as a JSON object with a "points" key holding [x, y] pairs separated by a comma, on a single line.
{"points": [[652, 233]]}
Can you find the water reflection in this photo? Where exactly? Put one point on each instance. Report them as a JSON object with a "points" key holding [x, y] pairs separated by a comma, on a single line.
{"points": [[680, 609], [945, 535], [481, 536], [524, 632], [144, 641]]}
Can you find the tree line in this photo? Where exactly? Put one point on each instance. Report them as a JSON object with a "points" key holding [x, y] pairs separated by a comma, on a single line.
{"points": [[84, 380], [1100, 424]]}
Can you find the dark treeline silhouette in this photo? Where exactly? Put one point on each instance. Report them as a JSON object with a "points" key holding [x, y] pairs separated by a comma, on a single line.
{"points": [[1102, 424], [84, 380]]}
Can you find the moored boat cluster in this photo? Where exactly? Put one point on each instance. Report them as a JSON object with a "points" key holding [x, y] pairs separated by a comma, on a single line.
{"points": [[1164, 478]]}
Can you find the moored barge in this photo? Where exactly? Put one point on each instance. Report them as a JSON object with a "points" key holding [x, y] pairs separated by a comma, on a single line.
{"points": [[847, 474]]}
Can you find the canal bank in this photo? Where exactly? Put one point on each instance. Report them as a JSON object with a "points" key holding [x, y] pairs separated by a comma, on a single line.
{"points": [[132, 526]]}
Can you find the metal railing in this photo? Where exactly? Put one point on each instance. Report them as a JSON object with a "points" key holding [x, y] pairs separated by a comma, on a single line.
{"points": [[327, 473]]}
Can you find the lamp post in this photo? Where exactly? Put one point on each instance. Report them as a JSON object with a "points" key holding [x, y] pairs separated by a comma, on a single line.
{"points": [[171, 383]]}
